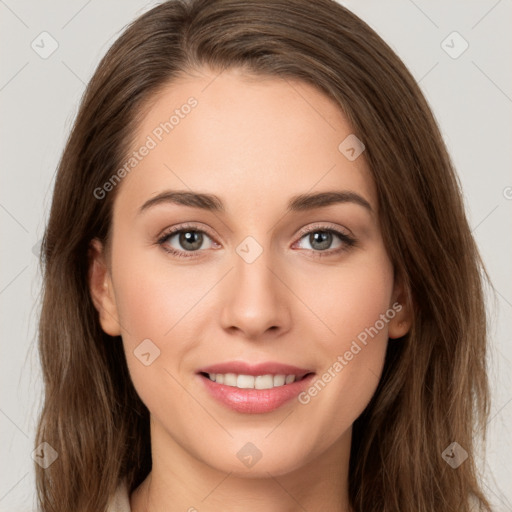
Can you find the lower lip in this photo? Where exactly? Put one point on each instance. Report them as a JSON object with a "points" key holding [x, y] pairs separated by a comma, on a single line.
{"points": [[255, 401]]}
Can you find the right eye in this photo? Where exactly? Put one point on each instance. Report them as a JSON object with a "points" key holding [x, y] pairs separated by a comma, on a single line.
{"points": [[181, 240]]}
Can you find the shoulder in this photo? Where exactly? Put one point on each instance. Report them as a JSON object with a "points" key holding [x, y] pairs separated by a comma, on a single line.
{"points": [[120, 501]]}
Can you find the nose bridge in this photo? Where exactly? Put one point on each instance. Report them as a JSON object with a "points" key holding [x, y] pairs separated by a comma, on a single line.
{"points": [[255, 301]]}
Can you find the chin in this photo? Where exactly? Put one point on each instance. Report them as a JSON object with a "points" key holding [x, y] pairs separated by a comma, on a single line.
{"points": [[256, 460]]}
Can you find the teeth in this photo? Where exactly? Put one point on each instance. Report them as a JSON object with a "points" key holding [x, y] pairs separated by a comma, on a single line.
{"points": [[244, 382], [251, 381], [229, 379], [264, 382]]}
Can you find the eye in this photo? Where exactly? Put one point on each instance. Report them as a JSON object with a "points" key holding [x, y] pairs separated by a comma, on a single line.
{"points": [[321, 238], [184, 239]]}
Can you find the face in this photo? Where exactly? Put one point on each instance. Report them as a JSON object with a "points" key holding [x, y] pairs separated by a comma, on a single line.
{"points": [[287, 302]]}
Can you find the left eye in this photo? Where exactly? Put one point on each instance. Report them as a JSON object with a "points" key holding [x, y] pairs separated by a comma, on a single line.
{"points": [[322, 239]]}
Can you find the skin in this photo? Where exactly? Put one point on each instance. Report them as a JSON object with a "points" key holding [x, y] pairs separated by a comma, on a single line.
{"points": [[254, 142]]}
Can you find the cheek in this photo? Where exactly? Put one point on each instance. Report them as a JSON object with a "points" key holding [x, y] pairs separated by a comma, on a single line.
{"points": [[349, 298], [163, 303], [355, 305], [153, 299], [152, 308]]}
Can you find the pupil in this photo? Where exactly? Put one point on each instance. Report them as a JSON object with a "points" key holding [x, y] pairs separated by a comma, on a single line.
{"points": [[188, 238], [323, 237]]}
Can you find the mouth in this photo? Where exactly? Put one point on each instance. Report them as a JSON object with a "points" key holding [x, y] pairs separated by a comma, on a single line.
{"points": [[241, 381], [254, 389]]}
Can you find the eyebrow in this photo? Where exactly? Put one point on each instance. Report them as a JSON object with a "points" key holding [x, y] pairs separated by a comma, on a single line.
{"points": [[213, 203]]}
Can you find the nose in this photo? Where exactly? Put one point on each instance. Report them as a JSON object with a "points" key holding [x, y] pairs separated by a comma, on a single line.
{"points": [[256, 302]]}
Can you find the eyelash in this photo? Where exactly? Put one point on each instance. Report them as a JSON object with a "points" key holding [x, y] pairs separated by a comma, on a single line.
{"points": [[347, 240]]}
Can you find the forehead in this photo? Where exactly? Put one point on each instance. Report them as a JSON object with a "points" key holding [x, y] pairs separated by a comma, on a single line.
{"points": [[250, 140]]}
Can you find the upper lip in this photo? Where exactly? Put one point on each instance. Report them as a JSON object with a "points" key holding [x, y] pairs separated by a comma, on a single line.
{"points": [[267, 368]]}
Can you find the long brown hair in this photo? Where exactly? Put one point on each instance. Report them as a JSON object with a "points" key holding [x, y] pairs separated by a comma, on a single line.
{"points": [[434, 388]]}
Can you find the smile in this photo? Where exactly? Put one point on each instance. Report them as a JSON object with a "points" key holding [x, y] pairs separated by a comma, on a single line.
{"points": [[254, 389], [250, 381]]}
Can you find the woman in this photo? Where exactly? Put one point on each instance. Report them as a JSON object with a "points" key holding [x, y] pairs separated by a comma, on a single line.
{"points": [[260, 287]]}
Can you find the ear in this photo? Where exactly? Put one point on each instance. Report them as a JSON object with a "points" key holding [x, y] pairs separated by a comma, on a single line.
{"points": [[401, 303], [101, 289]]}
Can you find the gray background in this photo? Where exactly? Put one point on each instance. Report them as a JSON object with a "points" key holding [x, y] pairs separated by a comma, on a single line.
{"points": [[471, 97]]}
